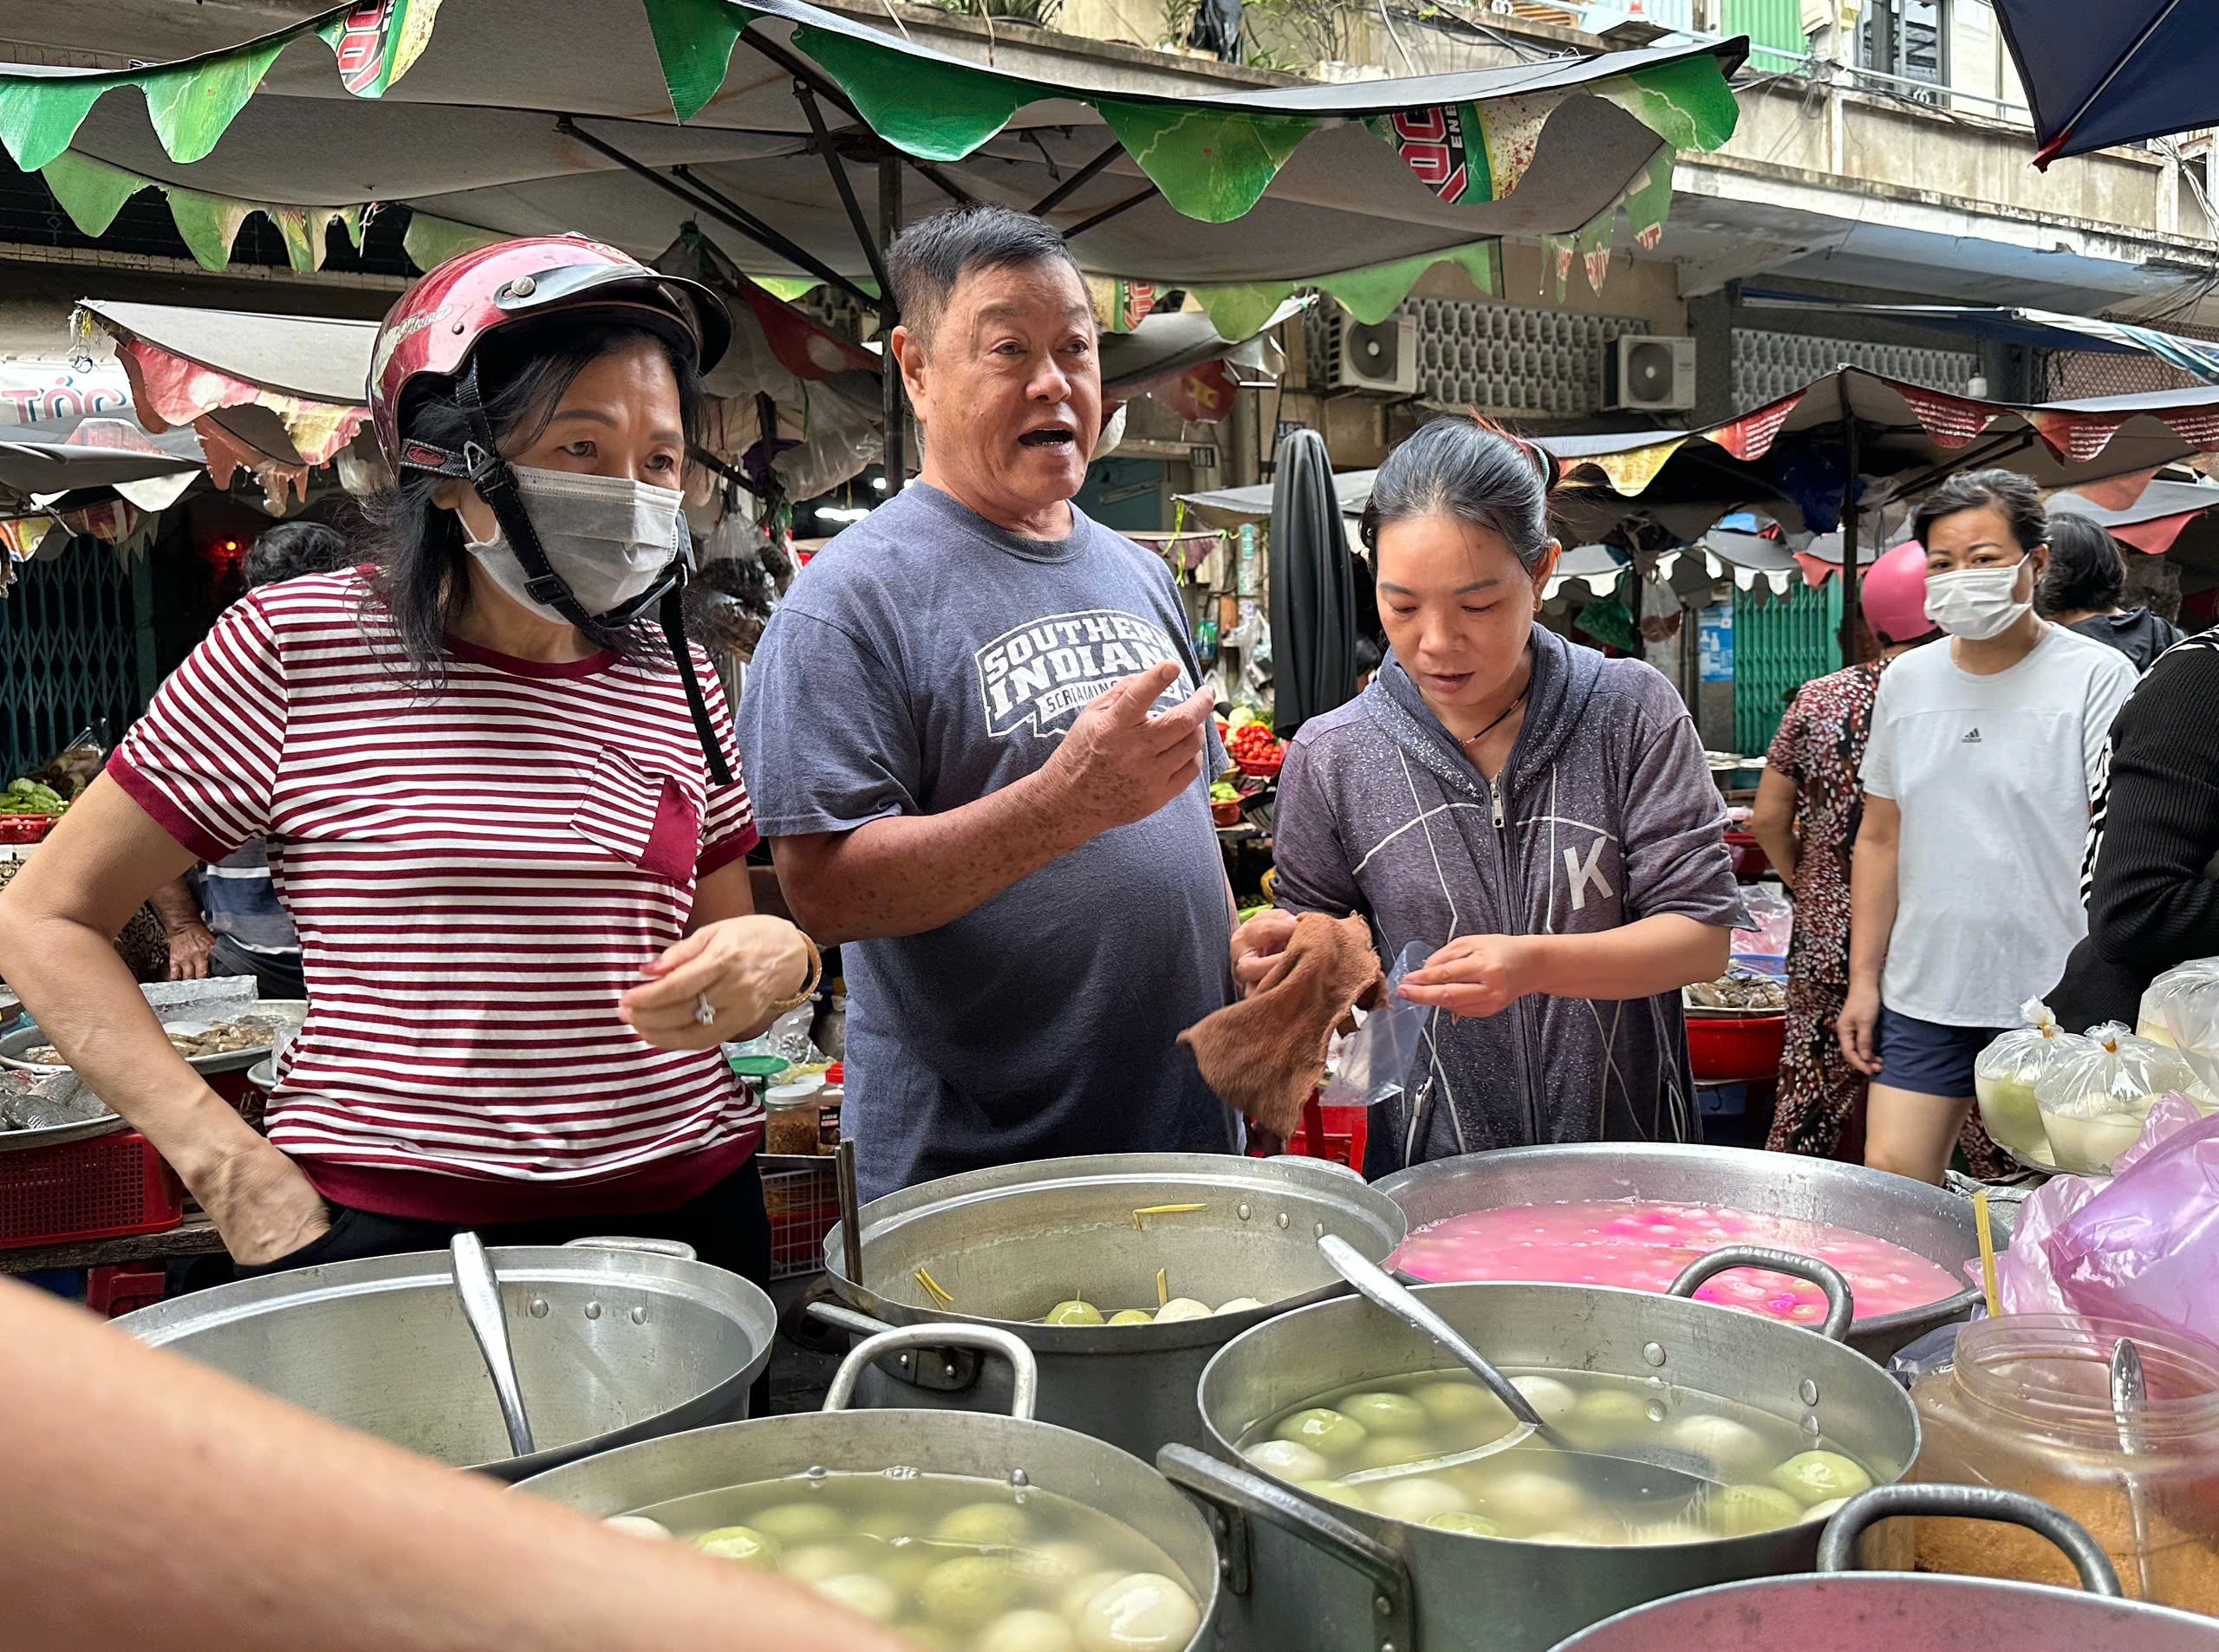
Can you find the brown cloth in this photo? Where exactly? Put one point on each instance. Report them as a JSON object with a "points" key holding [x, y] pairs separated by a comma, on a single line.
{"points": [[1266, 1054]]}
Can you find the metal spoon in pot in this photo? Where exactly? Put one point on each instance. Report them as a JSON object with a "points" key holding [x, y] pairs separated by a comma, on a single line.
{"points": [[489, 1323], [1612, 1476]]}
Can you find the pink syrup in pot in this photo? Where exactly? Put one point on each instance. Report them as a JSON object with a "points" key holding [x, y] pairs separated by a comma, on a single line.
{"points": [[1643, 1246]]}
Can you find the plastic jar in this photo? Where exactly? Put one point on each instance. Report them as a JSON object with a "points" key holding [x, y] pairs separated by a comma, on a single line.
{"points": [[2026, 1406], [789, 1117]]}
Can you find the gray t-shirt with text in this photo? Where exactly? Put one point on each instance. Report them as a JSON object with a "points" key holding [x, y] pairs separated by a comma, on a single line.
{"points": [[925, 659]]}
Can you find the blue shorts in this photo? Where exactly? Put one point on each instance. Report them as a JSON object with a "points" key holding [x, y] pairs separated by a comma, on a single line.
{"points": [[1928, 1059]]}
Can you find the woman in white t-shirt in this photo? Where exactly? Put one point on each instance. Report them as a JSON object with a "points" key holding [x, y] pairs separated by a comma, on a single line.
{"points": [[1965, 884], [502, 808]]}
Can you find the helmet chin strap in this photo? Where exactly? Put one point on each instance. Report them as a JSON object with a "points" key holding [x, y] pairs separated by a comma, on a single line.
{"points": [[480, 463]]}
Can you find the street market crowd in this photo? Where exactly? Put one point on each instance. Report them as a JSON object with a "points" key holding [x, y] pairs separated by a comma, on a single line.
{"points": [[473, 789]]}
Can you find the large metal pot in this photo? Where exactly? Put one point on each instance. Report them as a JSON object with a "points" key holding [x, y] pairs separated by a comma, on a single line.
{"points": [[1007, 1244], [1332, 1579], [614, 1340], [1925, 1221], [1880, 1611], [1013, 1449]]}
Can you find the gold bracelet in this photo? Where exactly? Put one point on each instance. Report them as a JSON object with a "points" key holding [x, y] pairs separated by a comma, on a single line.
{"points": [[808, 987]]}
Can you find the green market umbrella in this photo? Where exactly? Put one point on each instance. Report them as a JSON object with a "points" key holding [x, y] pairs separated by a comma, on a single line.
{"points": [[778, 119]]}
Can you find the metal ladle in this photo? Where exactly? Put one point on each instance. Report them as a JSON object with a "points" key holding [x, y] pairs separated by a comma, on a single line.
{"points": [[1611, 1476], [489, 1323]]}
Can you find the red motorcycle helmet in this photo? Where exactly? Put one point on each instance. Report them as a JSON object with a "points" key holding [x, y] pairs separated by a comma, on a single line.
{"points": [[433, 327]]}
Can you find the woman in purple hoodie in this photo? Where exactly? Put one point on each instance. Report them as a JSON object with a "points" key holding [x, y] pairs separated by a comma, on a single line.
{"points": [[1539, 816]]}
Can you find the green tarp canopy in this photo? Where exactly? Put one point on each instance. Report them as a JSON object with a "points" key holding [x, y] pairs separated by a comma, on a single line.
{"points": [[502, 117]]}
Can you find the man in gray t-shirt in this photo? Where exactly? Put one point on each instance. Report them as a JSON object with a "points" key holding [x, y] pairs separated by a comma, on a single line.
{"points": [[973, 735]]}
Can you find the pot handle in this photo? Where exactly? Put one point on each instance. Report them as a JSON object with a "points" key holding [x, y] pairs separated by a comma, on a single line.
{"points": [[1232, 1496], [848, 1319], [676, 1249], [1840, 1310], [1838, 1544], [1024, 1385]]}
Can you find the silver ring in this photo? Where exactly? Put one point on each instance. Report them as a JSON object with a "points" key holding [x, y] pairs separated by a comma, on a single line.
{"points": [[705, 1013]]}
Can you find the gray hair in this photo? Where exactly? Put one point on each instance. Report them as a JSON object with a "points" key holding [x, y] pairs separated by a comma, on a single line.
{"points": [[929, 258], [1472, 471]]}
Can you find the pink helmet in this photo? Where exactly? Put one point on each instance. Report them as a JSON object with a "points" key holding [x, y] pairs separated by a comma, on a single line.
{"points": [[1893, 594]]}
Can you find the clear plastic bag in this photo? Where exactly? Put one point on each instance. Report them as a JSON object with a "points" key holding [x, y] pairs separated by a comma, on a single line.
{"points": [[2187, 1001], [1771, 924], [2154, 1020], [2094, 1100], [2005, 1074], [1376, 1058]]}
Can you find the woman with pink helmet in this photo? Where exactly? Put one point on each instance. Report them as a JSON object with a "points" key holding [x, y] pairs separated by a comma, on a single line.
{"points": [[1808, 806]]}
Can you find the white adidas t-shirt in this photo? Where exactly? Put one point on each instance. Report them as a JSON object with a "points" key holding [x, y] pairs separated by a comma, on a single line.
{"points": [[1991, 775]]}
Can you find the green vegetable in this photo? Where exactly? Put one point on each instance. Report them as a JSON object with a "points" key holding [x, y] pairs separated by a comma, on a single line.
{"points": [[1224, 793]]}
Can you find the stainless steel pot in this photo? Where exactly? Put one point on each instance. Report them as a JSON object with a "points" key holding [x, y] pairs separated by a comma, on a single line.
{"points": [[1008, 1244], [1880, 1611], [616, 1340], [1927, 1221], [1013, 1448], [1323, 1575]]}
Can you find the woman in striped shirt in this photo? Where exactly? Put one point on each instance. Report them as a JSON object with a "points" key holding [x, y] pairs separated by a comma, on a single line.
{"points": [[503, 812]]}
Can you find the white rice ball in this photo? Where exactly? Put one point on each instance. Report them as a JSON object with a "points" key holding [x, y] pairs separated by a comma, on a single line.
{"points": [[1028, 1629], [636, 1526], [860, 1592], [1144, 1611], [1552, 1399], [1288, 1460], [1417, 1498]]}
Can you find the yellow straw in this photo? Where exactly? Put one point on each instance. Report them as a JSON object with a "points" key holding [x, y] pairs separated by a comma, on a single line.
{"points": [[1162, 1287], [1986, 1252], [933, 1285], [1161, 1210]]}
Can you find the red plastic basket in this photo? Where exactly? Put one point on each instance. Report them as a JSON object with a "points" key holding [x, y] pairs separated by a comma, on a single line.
{"points": [[108, 1187]]}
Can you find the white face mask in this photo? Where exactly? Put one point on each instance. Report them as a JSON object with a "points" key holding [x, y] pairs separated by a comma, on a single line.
{"points": [[607, 537], [1976, 603]]}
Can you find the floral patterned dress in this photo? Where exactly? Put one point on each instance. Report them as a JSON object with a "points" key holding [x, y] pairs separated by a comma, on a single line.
{"points": [[1820, 747]]}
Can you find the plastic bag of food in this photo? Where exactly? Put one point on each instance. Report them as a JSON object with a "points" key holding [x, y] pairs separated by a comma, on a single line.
{"points": [[2146, 1247], [2094, 1100], [1771, 925], [2154, 1020], [2004, 1078], [1376, 1060], [2187, 999]]}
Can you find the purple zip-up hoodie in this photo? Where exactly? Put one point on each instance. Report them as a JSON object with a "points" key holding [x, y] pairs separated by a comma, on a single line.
{"points": [[1604, 814]]}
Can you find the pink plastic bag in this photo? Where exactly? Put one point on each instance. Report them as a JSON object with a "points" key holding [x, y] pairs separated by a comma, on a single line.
{"points": [[2146, 1248], [2024, 1282]]}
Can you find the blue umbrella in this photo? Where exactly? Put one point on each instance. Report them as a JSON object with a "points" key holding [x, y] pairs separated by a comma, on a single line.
{"points": [[2104, 72]]}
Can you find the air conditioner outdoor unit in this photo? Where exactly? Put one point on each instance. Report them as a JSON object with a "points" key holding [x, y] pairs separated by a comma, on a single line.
{"points": [[1643, 373], [1372, 356]]}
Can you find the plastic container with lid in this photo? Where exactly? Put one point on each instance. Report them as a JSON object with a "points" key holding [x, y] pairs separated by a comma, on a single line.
{"points": [[2095, 1100], [2026, 1406], [790, 1117], [2004, 1078]]}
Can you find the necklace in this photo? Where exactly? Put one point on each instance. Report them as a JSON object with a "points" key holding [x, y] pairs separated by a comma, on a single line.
{"points": [[1492, 727]]}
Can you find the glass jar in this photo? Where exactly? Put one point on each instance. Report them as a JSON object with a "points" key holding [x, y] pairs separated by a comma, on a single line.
{"points": [[2026, 1406], [790, 1123]]}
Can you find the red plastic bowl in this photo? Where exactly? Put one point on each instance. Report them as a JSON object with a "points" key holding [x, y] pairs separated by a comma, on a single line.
{"points": [[25, 828], [1225, 814], [1734, 1048], [1261, 768]]}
